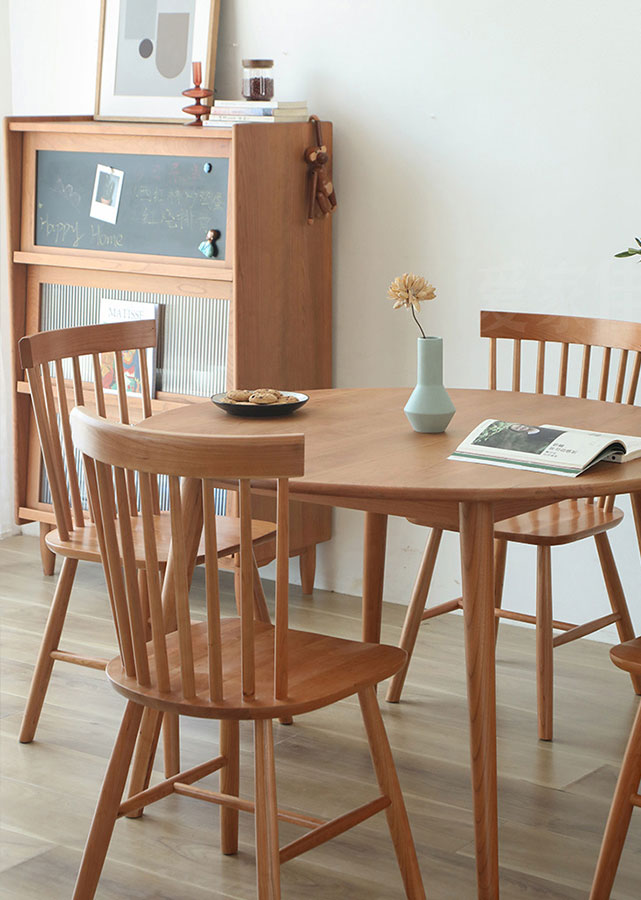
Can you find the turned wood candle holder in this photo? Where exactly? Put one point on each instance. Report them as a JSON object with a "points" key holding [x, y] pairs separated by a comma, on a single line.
{"points": [[197, 93]]}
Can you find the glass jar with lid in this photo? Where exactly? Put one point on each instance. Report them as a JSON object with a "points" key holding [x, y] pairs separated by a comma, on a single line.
{"points": [[258, 79]]}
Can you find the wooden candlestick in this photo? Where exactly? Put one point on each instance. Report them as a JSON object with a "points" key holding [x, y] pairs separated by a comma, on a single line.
{"points": [[197, 109]]}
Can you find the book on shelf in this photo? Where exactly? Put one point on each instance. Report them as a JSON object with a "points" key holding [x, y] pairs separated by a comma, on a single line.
{"points": [[257, 112], [261, 104], [553, 449], [228, 121], [128, 311]]}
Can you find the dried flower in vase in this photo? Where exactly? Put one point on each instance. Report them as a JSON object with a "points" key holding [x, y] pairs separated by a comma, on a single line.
{"points": [[409, 290]]}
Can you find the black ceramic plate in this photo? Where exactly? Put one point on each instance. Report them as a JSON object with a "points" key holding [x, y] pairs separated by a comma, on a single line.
{"points": [[257, 411]]}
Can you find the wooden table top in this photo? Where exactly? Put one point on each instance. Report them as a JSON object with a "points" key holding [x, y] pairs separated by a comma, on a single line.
{"points": [[359, 447]]}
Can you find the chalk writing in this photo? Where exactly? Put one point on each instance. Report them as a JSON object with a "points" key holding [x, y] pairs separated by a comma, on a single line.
{"points": [[67, 190], [106, 241], [60, 231], [151, 194]]}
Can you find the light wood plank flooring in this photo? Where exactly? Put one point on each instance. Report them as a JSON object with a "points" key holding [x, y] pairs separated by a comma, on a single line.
{"points": [[553, 798]]}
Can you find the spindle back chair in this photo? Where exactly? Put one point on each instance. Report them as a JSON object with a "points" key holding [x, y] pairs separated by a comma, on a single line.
{"points": [[627, 796], [65, 368], [619, 346], [588, 336], [44, 355], [223, 668]]}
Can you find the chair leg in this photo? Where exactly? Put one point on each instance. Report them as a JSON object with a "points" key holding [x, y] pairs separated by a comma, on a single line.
{"points": [[50, 639], [616, 828], [544, 644], [387, 778], [171, 744], [415, 611], [267, 850], [106, 812], [307, 564], [229, 784], [145, 754], [500, 554], [617, 597], [47, 556]]}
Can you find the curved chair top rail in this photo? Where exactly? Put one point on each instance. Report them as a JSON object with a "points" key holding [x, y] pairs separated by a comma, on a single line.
{"points": [[187, 455], [61, 343], [562, 329], [610, 335]]}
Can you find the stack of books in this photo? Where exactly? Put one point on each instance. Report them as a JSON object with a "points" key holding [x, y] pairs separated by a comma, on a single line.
{"points": [[231, 112]]}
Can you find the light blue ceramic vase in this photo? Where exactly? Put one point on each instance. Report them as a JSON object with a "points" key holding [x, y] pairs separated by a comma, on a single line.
{"points": [[429, 407]]}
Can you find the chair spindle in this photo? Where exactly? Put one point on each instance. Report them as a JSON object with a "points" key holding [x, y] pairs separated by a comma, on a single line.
{"points": [[540, 367], [605, 373], [282, 591], [212, 594], [72, 472], [181, 589], [563, 369], [248, 674], [516, 365], [585, 371]]}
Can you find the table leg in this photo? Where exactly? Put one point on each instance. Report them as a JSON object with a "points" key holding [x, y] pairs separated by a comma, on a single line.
{"points": [[373, 575], [477, 564], [635, 500]]}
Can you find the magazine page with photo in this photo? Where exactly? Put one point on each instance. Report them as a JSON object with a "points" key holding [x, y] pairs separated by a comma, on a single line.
{"points": [[544, 448], [112, 310]]}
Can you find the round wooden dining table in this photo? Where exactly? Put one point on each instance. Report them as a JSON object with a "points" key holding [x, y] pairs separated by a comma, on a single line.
{"points": [[361, 453]]}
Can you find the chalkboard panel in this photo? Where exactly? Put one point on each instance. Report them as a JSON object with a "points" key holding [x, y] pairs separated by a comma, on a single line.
{"points": [[165, 204]]}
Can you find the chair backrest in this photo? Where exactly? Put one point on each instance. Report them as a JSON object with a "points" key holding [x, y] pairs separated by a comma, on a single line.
{"points": [[612, 338], [111, 451], [45, 356], [588, 334]]}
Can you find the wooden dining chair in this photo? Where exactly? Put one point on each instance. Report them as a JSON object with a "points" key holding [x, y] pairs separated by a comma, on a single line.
{"points": [[626, 656], [560, 523], [59, 378], [230, 669]]}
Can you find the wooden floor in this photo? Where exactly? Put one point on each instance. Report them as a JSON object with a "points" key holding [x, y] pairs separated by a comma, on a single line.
{"points": [[553, 798]]}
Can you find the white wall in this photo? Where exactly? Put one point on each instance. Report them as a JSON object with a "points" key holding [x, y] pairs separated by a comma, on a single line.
{"points": [[491, 147], [6, 457]]}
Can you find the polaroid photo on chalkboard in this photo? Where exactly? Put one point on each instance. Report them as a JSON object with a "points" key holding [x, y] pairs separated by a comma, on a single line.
{"points": [[112, 310], [107, 188]]}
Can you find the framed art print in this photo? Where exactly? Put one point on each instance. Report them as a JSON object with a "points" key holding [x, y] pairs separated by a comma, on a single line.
{"points": [[145, 54]]}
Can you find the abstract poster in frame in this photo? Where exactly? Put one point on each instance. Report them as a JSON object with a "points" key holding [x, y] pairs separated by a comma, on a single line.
{"points": [[146, 49]]}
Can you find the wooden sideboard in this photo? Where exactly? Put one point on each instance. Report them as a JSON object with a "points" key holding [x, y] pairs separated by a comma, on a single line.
{"points": [[259, 315]]}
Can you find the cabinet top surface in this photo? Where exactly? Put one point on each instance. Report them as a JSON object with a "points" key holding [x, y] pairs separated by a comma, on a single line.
{"points": [[88, 125]]}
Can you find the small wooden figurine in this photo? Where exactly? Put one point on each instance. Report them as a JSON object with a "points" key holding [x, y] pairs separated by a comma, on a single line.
{"points": [[208, 246], [198, 93], [320, 188]]}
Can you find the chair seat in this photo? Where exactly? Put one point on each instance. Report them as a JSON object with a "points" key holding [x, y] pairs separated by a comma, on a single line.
{"points": [[560, 523], [83, 542], [627, 656], [322, 670]]}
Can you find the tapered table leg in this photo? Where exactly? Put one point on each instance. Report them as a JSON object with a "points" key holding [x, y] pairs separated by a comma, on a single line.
{"points": [[477, 565], [373, 575]]}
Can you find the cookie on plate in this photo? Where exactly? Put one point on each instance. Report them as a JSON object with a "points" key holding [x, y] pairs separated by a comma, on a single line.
{"points": [[237, 396], [265, 396]]}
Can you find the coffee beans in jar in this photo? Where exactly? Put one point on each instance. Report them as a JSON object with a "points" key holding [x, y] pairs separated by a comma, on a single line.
{"points": [[258, 79]]}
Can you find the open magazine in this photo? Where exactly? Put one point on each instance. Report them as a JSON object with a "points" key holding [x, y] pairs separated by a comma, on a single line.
{"points": [[553, 449]]}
